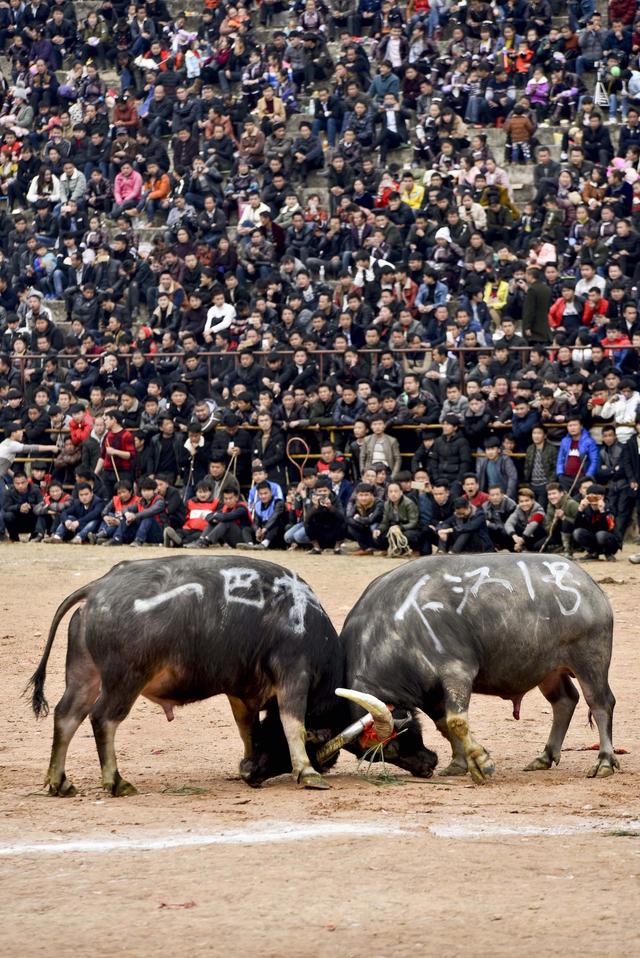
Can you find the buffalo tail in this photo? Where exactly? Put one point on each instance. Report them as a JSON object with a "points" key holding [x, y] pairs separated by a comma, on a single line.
{"points": [[39, 703]]}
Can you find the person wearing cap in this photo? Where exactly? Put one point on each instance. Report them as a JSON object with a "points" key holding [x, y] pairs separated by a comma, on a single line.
{"points": [[12, 446], [594, 529]]}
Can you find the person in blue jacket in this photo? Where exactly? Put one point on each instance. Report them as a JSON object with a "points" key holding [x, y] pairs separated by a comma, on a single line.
{"points": [[82, 517], [578, 455]]}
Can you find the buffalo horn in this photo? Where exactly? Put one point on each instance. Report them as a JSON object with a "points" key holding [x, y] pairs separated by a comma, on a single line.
{"points": [[382, 717], [378, 714]]}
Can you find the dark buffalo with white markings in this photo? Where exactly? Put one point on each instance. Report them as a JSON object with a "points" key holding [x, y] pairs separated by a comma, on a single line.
{"points": [[429, 634], [183, 629]]}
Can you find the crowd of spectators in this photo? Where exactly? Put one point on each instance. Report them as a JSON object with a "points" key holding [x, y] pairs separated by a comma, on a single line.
{"points": [[277, 274]]}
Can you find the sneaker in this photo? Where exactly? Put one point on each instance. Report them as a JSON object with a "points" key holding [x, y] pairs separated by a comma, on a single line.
{"points": [[248, 546], [610, 559], [316, 552], [92, 538], [101, 540], [54, 540], [113, 542], [136, 544], [171, 538], [590, 557], [38, 537], [635, 558], [337, 550], [198, 544], [76, 541]]}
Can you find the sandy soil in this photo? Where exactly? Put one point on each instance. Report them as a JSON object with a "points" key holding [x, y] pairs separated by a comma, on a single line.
{"points": [[536, 864]]}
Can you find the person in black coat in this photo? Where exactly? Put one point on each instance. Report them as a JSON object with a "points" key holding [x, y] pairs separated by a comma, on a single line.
{"points": [[193, 459], [630, 494], [451, 454], [18, 507], [233, 446], [269, 449], [393, 120]]}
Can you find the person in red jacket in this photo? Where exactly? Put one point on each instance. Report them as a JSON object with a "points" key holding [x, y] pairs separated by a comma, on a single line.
{"points": [[595, 307], [229, 525], [118, 453], [199, 511], [80, 424], [624, 10], [112, 513]]}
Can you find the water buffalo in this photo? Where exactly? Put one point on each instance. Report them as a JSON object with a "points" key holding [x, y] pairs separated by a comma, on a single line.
{"points": [[185, 628], [430, 633]]}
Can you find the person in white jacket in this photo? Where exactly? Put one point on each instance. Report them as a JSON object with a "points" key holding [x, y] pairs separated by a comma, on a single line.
{"points": [[220, 315], [44, 186], [623, 407]]}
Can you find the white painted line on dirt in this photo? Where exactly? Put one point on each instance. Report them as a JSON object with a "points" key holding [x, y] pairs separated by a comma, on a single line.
{"points": [[483, 829], [266, 833]]}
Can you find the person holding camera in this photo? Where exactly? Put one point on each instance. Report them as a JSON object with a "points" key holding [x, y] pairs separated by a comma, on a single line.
{"points": [[595, 526], [324, 521]]}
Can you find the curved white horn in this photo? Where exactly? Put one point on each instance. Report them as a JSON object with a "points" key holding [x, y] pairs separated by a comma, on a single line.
{"points": [[382, 718]]}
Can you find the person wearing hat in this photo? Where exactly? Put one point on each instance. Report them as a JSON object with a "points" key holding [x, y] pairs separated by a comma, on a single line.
{"points": [[594, 529]]}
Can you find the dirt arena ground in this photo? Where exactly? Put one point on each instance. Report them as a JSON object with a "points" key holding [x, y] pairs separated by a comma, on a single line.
{"points": [[199, 864]]}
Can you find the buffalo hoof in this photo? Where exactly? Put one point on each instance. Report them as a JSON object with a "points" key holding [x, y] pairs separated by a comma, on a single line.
{"points": [[540, 764], [249, 774], [63, 789], [604, 767], [481, 767], [121, 789], [312, 779], [454, 768]]}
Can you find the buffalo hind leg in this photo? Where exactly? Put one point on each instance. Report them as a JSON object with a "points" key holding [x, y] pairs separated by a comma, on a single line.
{"points": [[245, 718], [107, 714], [458, 764], [601, 702], [479, 762], [292, 702], [82, 688], [563, 696]]}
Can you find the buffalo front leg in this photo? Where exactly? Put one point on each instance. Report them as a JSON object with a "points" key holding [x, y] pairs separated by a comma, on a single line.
{"points": [[458, 764], [479, 762], [563, 696], [106, 716], [292, 702]]}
